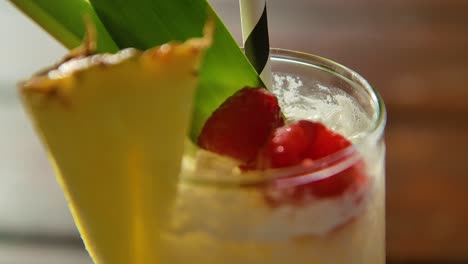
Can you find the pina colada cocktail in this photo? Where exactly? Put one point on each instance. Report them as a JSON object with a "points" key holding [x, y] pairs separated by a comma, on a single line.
{"points": [[324, 211]]}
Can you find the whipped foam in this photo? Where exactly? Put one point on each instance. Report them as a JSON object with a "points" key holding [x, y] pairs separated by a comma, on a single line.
{"points": [[311, 100]]}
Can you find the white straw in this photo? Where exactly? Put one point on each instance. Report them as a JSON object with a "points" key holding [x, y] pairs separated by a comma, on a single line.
{"points": [[255, 37]]}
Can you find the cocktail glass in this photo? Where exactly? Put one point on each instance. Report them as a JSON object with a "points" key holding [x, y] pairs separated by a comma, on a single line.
{"points": [[327, 211]]}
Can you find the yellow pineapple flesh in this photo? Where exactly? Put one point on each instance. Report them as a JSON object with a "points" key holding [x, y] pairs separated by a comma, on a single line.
{"points": [[114, 127]]}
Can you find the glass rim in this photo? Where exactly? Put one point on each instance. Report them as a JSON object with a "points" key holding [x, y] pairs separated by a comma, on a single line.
{"points": [[336, 68], [324, 167]]}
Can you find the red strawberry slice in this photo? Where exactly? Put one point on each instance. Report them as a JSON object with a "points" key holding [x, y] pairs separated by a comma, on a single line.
{"points": [[334, 185], [308, 141], [351, 179], [326, 142], [292, 144], [242, 124], [287, 146]]}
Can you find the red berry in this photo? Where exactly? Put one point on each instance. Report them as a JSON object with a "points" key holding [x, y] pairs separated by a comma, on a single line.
{"points": [[307, 141], [326, 142], [287, 146], [292, 144], [334, 185], [351, 179], [242, 124]]}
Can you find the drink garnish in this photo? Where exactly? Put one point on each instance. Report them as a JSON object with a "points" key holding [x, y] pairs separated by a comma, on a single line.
{"points": [[143, 24], [114, 126], [292, 144], [249, 127]]}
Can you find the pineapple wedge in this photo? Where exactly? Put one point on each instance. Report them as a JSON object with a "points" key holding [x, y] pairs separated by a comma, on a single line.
{"points": [[115, 126]]}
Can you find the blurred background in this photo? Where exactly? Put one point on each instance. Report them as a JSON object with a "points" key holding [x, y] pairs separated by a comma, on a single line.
{"points": [[415, 52]]}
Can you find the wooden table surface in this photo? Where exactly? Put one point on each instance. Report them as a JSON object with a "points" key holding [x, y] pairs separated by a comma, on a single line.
{"points": [[415, 52]]}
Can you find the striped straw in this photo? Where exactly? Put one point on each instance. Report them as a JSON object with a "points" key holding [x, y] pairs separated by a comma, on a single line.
{"points": [[255, 36]]}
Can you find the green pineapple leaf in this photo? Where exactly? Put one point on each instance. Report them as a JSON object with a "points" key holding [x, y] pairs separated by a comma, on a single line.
{"points": [[64, 20]]}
